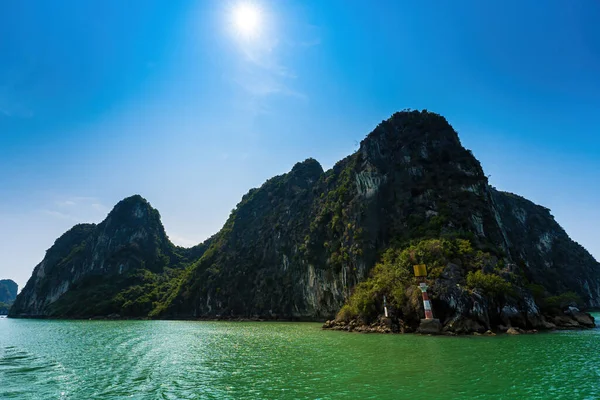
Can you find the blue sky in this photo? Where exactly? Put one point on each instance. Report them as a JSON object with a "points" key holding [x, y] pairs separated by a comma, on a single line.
{"points": [[103, 99]]}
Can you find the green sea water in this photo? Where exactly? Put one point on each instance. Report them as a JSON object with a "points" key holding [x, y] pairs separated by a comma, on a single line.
{"points": [[226, 360]]}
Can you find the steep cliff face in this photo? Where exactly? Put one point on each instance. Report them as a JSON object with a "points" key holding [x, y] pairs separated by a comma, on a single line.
{"points": [[250, 266], [544, 251], [8, 293], [88, 265], [298, 245], [411, 179]]}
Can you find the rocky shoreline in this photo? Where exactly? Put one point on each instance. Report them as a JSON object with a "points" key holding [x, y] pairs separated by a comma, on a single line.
{"points": [[571, 319]]}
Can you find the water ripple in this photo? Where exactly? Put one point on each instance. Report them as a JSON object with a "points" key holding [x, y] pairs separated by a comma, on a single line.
{"points": [[220, 360]]}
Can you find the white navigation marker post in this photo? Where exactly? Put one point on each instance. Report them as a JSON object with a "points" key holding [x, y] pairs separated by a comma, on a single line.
{"points": [[421, 274], [385, 307], [426, 303], [429, 325]]}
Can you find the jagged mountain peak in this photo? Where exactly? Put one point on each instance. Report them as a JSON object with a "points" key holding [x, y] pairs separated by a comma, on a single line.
{"points": [[310, 165], [133, 208], [134, 214], [77, 230], [130, 239], [297, 245], [410, 129], [302, 175]]}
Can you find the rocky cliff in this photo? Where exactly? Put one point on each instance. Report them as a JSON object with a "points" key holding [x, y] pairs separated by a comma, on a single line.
{"points": [[8, 291], [298, 246], [87, 269]]}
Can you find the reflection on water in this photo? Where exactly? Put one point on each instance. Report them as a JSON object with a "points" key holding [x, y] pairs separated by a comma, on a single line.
{"points": [[221, 360]]}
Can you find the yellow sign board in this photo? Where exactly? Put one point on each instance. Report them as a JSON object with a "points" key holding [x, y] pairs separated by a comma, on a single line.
{"points": [[420, 270]]}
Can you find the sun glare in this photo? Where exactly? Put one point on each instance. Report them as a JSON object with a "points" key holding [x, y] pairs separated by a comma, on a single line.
{"points": [[247, 19]]}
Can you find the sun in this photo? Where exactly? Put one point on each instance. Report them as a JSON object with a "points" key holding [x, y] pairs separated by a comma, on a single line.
{"points": [[247, 19]]}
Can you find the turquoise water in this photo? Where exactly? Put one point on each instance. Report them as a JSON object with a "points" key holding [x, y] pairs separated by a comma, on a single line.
{"points": [[220, 360]]}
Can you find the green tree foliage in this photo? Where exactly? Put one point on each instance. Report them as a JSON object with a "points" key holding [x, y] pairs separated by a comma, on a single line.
{"points": [[411, 194], [394, 273], [148, 294], [552, 303], [491, 284], [133, 294], [539, 292], [563, 301]]}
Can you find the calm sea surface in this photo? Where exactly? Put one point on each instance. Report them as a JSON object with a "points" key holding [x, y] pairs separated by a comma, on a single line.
{"points": [[222, 360]]}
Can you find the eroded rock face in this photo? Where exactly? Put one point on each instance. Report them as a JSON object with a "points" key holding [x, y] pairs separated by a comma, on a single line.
{"points": [[543, 250], [430, 327], [304, 239], [382, 325], [514, 331], [578, 317], [296, 246], [91, 256]]}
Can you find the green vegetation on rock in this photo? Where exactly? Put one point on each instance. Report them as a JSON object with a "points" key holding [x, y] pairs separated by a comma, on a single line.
{"points": [[8, 294], [490, 284], [8, 291], [310, 244], [393, 277]]}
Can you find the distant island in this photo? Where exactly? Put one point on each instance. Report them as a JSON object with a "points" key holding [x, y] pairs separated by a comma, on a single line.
{"points": [[330, 245], [8, 294]]}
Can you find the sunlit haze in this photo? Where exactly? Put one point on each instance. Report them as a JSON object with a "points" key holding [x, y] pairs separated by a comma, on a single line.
{"points": [[192, 103], [246, 19]]}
